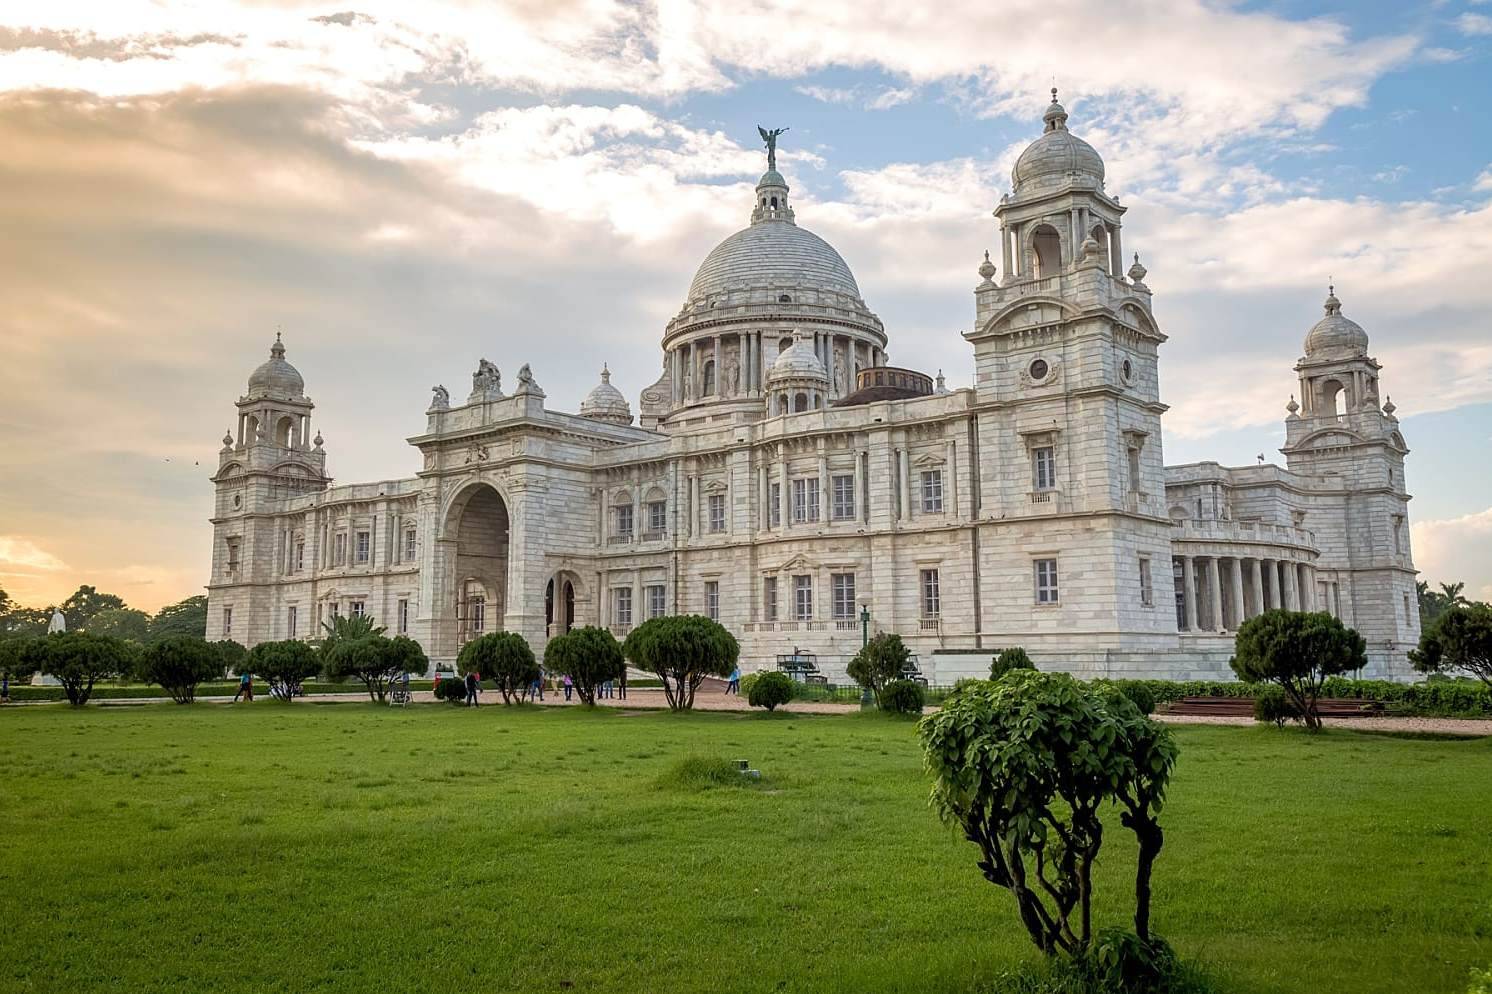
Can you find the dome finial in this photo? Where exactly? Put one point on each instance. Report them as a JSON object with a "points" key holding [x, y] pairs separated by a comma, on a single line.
{"points": [[277, 350], [1056, 115], [605, 373]]}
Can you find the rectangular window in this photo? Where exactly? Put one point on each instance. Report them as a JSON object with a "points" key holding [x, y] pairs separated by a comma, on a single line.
{"points": [[657, 602], [476, 610], [356, 608], [657, 517], [1134, 471], [774, 513], [717, 512], [335, 610], [843, 489], [769, 598], [402, 616], [1046, 581], [843, 585], [339, 549], [622, 602], [227, 622], [292, 621], [803, 598], [1147, 590], [623, 513], [712, 600], [932, 491], [1043, 468], [232, 555], [410, 551], [362, 547], [932, 600], [300, 555], [805, 500]]}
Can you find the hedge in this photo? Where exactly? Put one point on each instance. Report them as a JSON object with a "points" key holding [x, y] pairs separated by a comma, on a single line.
{"points": [[109, 692], [1439, 699]]}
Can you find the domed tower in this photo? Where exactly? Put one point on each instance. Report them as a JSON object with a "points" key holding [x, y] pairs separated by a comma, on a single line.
{"points": [[748, 300], [797, 380], [1344, 437], [269, 458], [606, 403]]}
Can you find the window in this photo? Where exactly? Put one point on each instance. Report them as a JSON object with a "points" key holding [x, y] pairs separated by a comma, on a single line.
{"points": [[712, 600], [769, 598], [1043, 468], [932, 491], [233, 555], [1134, 471], [657, 605], [717, 512], [1398, 534], [362, 547], [844, 498], [290, 621], [843, 585], [657, 517], [356, 608], [623, 513], [300, 555], [409, 546], [227, 622], [932, 600], [621, 598], [476, 613], [803, 598], [805, 500], [339, 549], [1046, 581], [774, 513], [335, 610], [1147, 590], [1038, 369], [401, 617]]}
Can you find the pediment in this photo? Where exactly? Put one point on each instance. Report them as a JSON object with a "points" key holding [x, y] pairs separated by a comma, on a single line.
{"points": [[929, 459], [715, 487], [797, 562]]}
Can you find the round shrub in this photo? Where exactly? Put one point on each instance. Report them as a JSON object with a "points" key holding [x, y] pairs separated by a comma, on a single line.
{"points": [[451, 690], [1117, 960], [747, 682], [1271, 704], [1139, 693], [770, 689], [903, 697], [1014, 658]]}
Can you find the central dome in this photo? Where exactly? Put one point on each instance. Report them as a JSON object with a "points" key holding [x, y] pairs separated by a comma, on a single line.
{"points": [[773, 253]]}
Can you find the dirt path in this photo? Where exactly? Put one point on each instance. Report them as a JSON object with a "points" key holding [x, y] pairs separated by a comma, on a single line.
{"points": [[1470, 727]]}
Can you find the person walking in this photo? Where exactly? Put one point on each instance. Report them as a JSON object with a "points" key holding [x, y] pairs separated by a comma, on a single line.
{"points": [[471, 689], [568, 686], [245, 688], [734, 686], [5, 688], [622, 684]]}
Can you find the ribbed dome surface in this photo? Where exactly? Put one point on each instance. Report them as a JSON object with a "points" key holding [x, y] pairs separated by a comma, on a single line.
{"points": [[605, 402], [798, 361], [777, 253], [276, 378], [1336, 335], [1057, 158]]}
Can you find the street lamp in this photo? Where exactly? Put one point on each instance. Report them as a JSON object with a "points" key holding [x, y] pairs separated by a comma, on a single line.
{"points": [[866, 700]]}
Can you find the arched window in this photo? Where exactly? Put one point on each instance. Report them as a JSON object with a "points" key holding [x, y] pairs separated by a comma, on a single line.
{"points": [[476, 608], [800, 403], [782, 407], [1333, 398], [1101, 235], [784, 299], [251, 428], [709, 387], [783, 344], [774, 203], [283, 429], [1046, 246]]}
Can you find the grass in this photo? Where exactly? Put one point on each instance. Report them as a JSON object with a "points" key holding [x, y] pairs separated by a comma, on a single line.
{"points": [[356, 848]]}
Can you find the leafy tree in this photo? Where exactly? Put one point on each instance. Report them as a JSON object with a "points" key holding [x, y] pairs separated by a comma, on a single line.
{"points": [[1023, 766], [682, 649], [770, 689], [375, 660], [26, 622], [880, 661], [179, 663], [1460, 639], [589, 656], [121, 622], [231, 655], [188, 617], [903, 697], [283, 664], [80, 659], [18, 657], [1013, 658], [502, 657], [1297, 650], [84, 605]]}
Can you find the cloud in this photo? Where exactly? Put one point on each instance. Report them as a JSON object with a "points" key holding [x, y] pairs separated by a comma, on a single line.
{"points": [[867, 98], [1452, 550], [1475, 25], [21, 556], [1483, 180]]}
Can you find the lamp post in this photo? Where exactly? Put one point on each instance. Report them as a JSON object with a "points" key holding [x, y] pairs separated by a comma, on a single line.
{"points": [[866, 700]]}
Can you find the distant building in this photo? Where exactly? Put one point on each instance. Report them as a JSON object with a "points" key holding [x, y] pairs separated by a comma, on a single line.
{"points": [[782, 477]]}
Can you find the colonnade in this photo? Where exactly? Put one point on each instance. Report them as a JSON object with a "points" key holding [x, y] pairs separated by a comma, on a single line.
{"points": [[1220, 593], [841, 355]]}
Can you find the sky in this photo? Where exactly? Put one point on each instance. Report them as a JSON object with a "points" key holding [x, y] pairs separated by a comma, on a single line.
{"points": [[402, 189]]}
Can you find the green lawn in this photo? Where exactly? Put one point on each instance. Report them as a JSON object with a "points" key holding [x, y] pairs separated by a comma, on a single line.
{"points": [[355, 848]]}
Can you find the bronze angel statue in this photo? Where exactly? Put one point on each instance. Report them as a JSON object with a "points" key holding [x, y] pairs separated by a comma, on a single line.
{"points": [[770, 137]]}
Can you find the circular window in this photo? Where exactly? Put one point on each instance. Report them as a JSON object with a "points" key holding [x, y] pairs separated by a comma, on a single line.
{"points": [[238, 500], [1039, 369], [1128, 370], [784, 299]]}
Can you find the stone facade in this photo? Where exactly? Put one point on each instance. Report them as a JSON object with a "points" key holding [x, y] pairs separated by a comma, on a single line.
{"points": [[784, 479]]}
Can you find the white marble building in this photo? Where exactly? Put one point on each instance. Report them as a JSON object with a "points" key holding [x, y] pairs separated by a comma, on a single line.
{"points": [[782, 477]]}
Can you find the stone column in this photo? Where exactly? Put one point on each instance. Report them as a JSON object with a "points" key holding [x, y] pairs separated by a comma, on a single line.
{"points": [[1307, 589], [1272, 567], [1258, 582], [1076, 236], [1189, 593], [1214, 594], [637, 523], [1117, 253], [1005, 254], [719, 375], [742, 386], [904, 483], [824, 509], [861, 512], [950, 478], [1240, 610], [763, 495], [784, 497], [1287, 574]]}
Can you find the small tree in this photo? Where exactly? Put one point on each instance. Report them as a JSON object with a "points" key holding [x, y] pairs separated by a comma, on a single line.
{"points": [[1013, 658], [503, 657], [231, 656], [283, 664], [881, 660], [1023, 766], [373, 659], [1297, 650], [1459, 639], [589, 656], [682, 649], [19, 656], [770, 689], [179, 664], [80, 659]]}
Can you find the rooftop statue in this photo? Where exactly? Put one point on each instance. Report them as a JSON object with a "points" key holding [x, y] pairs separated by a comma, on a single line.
{"points": [[770, 137]]}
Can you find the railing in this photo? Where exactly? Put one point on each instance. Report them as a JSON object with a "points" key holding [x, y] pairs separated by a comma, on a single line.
{"points": [[930, 625], [654, 536], [845, 624], [620, 631], [1245, 531], [620, 539]]}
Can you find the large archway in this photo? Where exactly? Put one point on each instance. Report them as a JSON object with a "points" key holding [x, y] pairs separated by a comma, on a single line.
{"points": [[559, 604], [478, 523]]}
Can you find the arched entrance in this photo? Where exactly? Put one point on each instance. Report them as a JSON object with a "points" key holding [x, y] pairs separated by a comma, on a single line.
{"points": [[559, 605], [478, 524]]}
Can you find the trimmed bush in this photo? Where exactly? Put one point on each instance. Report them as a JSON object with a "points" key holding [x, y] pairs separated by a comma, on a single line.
{"points": [[179, 663], [1139, 694], [1298, 650], [1122, 961], [589, 656], [79, 660], [502, 657], [1013, 658], [284, 664], [451, 689], [903, 697], [1271, 704], [681, 650], [747, 682], [881, 661], [769, 690]]}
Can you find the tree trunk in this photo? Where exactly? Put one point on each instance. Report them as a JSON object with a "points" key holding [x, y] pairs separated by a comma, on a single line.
{"points": [[1151, 839]]}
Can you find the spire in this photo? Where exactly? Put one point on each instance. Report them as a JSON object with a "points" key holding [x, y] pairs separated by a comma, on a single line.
{"points": [[277, 350], [605, 374], [1055, 116], [1333, 305]]}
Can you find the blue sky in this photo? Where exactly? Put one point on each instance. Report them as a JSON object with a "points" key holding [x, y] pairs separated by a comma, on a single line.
{"points": [[405, 190]]}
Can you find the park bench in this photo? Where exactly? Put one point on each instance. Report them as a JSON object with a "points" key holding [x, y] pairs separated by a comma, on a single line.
{"points": [[802, 666], [911, 671], [1243, 707]]}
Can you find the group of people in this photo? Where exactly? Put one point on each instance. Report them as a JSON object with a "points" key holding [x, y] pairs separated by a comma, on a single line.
{"points": [[609, 690]]}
